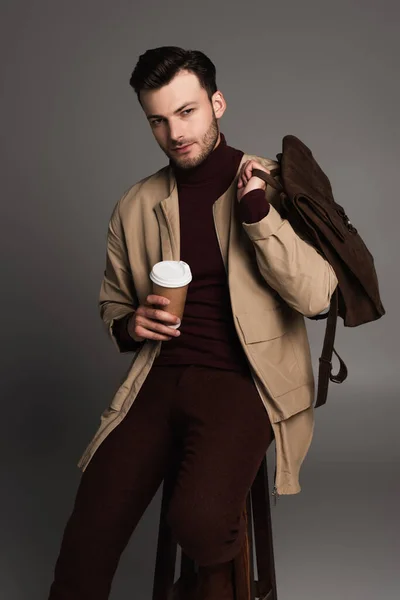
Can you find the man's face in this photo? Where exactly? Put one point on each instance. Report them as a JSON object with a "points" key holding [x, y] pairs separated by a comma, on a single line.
{"points": [[181, 114]]}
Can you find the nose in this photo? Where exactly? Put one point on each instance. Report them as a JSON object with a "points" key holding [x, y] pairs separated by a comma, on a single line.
{"points": [[176, 135]]}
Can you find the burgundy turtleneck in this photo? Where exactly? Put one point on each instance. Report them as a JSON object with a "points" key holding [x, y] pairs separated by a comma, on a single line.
{"points": [[208, 336]]}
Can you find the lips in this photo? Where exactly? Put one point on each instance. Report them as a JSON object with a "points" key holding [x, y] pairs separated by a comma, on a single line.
{"points": [[181, 148]]}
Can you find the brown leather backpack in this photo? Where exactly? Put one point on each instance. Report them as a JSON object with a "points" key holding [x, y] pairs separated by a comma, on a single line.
{"points": [[306, 201]]}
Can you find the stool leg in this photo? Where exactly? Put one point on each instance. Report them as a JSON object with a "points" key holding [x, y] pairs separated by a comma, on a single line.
{"points": [[263, 534], [252, 583], [164, 571], [243, 562]]}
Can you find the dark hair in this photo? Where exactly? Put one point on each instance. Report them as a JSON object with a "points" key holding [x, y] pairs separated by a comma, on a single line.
{"points": [[158, 66]]}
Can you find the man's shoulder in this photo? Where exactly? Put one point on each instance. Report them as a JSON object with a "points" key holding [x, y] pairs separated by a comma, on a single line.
{"points": [[154, 186], [148, 183], [265, 161]]}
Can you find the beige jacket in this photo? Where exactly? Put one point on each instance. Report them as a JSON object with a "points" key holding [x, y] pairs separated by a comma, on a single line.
{"points": [[268, 310]]}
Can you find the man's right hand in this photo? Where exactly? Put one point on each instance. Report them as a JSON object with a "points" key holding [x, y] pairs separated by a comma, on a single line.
{"points": [[147, 322]]}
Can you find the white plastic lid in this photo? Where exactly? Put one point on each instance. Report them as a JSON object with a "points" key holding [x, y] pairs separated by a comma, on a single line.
{"points": [[171, 273]]}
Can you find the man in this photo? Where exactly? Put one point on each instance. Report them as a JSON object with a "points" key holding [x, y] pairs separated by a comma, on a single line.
{"points": [[211, 395]]}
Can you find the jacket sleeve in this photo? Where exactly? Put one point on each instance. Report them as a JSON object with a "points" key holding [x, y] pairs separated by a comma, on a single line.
{"points": [[117, 297], [120, 332], [290, 265]]}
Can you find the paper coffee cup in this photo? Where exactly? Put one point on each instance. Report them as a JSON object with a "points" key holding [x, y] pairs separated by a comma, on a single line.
{"points": [[171, 279]]}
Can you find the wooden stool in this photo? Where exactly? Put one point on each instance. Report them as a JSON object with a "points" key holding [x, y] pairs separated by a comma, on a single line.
{"points": [[258, 516]]}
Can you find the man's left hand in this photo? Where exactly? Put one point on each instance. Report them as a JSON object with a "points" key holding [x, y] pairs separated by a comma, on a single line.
{"points": [[247, 181]]}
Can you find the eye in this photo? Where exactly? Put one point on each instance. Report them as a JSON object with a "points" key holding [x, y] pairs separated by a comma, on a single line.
{"points": [[188, 110], [156, 121]]}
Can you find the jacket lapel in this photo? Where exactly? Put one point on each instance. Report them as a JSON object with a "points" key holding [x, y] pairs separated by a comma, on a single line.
{"points": [[227, 225], [167, 212]]}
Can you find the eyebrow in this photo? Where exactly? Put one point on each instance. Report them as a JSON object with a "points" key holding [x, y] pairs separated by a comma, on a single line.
{"points": [[175, 112]]}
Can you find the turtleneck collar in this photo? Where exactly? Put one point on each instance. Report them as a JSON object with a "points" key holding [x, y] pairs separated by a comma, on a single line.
{"points": [[218, 162]]}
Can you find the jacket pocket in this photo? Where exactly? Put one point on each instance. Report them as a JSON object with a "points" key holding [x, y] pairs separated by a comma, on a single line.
{"points": [[259, 326], [268, 339]]}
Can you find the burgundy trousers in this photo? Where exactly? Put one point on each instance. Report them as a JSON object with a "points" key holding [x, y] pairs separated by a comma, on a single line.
{"points": [[214, 421]]}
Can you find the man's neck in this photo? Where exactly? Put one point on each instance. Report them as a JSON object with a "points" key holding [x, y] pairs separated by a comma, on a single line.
{"points": [[218, 162]]}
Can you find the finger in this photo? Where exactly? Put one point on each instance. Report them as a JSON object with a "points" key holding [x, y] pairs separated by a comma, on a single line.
{"points": [[243, 168], [152, 329], [160, 300], [249, 171], [155, 314], [148, 334]]}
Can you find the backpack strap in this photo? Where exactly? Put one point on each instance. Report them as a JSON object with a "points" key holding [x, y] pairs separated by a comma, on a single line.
{"points": [[325, 362], [269, 177]]}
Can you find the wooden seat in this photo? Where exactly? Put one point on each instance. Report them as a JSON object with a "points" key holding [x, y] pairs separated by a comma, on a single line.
{"points": [[258, 517]]}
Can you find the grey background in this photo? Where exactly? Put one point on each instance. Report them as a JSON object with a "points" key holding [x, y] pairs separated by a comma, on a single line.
{"points": [[73, 139]]}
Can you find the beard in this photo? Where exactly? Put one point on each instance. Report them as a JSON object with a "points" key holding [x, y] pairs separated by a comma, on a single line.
{"points": [[207, 145]]}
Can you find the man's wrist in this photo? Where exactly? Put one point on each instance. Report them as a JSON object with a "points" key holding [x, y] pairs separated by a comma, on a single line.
{"points": [[253, 206], [131, 335], [127, 322]]}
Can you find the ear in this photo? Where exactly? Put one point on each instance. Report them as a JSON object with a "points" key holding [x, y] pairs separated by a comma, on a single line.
{"points": [[219, 104]]}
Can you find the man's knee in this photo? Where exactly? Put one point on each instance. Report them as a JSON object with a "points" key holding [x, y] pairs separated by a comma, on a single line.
{"points": [[206, 533]]}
